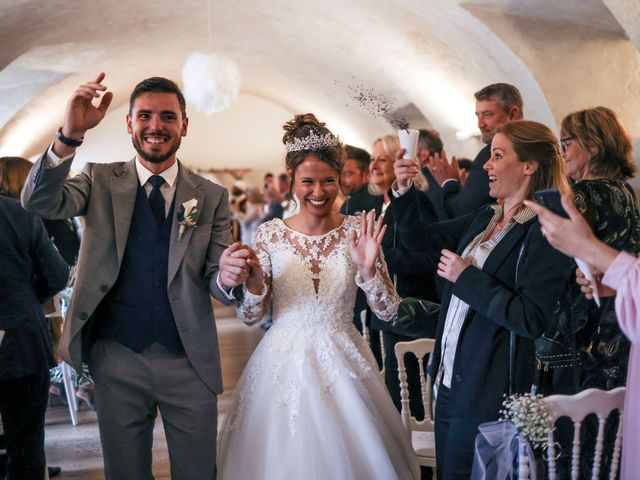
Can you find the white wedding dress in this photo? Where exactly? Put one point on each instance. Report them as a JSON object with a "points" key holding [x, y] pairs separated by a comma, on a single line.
{"points": [[311, 404]]}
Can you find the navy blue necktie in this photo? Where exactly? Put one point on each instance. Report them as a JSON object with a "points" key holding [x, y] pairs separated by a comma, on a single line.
{"points": [[156, 200]]}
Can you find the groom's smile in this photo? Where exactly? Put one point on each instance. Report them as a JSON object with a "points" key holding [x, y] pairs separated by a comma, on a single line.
{"points": [[157, 125]]}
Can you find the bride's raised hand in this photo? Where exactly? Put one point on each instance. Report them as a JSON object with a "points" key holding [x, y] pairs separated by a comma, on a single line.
{"points": [[364, 248]]}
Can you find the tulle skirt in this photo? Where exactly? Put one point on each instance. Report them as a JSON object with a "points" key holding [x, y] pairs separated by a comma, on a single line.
{"points": [[311, 405]]}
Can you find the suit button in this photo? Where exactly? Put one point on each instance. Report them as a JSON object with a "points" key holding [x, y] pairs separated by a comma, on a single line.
{"points": [[84, 316], [104, 288], [458, 378]]}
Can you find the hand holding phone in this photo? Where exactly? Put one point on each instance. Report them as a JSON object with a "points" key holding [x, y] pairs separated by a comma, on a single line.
{"points": [[588, 274], [551, 199]]}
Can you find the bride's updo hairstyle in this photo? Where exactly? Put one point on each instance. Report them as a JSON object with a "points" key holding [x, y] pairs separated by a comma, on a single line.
{"points": [[305, 135]]}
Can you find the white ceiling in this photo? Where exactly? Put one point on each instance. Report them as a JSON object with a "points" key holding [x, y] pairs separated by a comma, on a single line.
{"points": [[293, 56]]}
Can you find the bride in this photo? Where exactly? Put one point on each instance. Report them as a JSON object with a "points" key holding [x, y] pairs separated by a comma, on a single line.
{"points": [[311, 403]]}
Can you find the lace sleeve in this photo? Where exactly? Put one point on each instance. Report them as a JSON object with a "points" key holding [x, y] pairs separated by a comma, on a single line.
{"points": [[252, 307], [381, 294]]}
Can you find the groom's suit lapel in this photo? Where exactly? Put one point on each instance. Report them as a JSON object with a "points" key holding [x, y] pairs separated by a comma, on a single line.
{"points": [[124, 188], [188, 187]]}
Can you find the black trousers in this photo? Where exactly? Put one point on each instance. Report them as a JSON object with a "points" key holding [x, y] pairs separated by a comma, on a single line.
{"points": [[23, 403], [455, 440]]}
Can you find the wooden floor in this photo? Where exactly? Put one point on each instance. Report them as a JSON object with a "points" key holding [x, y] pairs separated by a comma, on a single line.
{"points": [[77, 449]]}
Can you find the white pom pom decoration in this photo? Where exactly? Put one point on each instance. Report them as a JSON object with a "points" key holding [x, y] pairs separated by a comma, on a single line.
{"points": [[211, 82]]}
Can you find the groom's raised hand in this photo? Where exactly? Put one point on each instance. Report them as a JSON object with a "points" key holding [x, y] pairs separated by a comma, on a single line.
{"points": [[81, 114], [235, 265]]}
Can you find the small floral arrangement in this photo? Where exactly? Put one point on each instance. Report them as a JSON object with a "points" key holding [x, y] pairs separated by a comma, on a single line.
{"points": [[530, 415], [187, 216]]}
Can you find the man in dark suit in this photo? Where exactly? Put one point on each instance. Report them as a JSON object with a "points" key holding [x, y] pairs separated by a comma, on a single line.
{"points": [[151, 254], [496, 105], [355, 181], [31, 272]]}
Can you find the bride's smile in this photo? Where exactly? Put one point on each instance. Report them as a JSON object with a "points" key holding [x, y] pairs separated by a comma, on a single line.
{"points": [[316, 185]]}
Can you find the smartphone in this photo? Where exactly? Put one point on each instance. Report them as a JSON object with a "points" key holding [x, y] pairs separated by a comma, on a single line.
{"points": [[551, 199]]}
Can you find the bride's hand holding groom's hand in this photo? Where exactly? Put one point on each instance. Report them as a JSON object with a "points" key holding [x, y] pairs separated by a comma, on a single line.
{"points": [[364, 248], [236, 263]]}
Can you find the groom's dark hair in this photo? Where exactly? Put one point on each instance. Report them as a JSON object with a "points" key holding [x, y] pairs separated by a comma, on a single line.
{"points": [[157, 85]]}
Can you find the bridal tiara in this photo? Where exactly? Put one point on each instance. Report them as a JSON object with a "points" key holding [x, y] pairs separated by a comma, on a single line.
{"points": [[313, 141]]}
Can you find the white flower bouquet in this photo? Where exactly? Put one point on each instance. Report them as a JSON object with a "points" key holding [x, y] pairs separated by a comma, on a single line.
{"points": [[530, 415]]}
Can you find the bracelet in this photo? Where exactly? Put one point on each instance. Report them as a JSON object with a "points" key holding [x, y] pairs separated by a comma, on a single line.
{"points": [[70, 142]]}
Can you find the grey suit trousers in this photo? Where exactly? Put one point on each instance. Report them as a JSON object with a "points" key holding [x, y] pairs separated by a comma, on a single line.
{"points": [[130, 388]]}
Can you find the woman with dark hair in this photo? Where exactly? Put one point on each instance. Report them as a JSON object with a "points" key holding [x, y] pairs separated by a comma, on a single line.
{"points": [[311, 399], [32, 272], [502, 281]]}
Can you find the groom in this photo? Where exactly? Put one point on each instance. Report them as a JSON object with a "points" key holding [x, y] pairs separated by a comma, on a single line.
{"points": [[141, 313]]}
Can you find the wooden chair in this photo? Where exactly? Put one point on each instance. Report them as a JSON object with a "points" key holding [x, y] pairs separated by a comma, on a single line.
{"points": [[577, 407], [420, 432]]}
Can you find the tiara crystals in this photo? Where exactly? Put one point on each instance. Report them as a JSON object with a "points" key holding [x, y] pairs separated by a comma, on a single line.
{"points": [[313, 141]]}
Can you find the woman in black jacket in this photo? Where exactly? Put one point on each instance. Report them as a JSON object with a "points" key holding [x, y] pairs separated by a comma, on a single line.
{"points": [[503, 280], [31, 271]]}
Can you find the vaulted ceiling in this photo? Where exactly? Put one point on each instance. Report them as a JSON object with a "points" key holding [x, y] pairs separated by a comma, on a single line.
{"points": [[425, 56]]}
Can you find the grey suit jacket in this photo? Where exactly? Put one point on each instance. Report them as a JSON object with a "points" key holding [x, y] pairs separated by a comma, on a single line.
{"points": [[105, 195]]}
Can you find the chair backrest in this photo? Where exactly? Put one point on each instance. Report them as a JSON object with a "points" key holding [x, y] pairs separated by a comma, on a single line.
{"points": [[419, 348], [365, 329], [577, 407]]}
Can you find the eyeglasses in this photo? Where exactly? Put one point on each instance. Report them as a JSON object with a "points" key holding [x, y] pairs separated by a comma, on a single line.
{"points": [[565, 142]]}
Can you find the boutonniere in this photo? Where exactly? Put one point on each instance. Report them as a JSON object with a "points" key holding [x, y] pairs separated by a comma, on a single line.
{"points": [[187, 216]]}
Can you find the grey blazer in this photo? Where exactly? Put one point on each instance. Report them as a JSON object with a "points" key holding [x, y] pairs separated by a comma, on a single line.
{"points": [[105, 195]]}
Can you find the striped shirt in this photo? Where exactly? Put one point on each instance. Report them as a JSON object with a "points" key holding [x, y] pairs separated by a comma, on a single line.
{"points": [[475, 254]]}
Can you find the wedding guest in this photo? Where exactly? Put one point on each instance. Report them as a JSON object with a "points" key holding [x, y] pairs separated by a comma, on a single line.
{"points": [[13, 175], [574, 237], [355, 181], [237, 203], [141, 311], [583, 347], [32, 272], [502, 281], [251, 217], [286, 192], [464, 165], [273, 202], [381, 172], [598, 158], [496, 104], [312, 388], [429, 144], [410, 280]]}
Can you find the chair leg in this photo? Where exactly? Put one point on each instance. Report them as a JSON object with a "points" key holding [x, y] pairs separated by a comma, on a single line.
{"points": [[70, 392]]}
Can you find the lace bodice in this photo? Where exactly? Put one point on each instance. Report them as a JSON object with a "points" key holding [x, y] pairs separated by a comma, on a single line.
{"points": [[313, 342], [311, 278]]}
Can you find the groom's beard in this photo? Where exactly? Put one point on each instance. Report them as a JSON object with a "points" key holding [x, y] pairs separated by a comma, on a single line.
{"points": [[152, 158]]}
